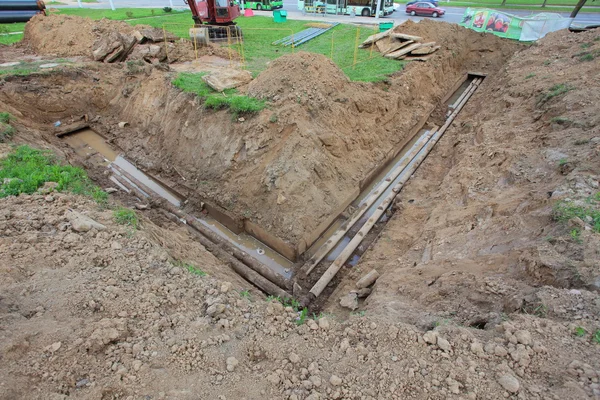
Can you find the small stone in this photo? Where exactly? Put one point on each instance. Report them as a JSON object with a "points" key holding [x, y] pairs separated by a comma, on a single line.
{"points": [[116, 246], [430, 337], [294, 358], [444, 344], [368, 279], [350, 301], [231, 362], [324, 323], [137, 364], [82, 383], [281, 199], [523, 337], [49, 199], [477, 348], [500, 351], [225, 287], [215, 309], [141, 206], [316, 381], [509, 383], [54, 347], [312, 324], [111, 190], [335, 380]]}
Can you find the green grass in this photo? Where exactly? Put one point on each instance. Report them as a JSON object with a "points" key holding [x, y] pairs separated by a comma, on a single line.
{"points": [[245, 294], [191, 268], [579, 331], [529, 76], [302, 316], [563, 211], [238, 104], [597, 336], [588, 55], [561, 120], [126, 216], [26, 169], [6, 130], [554, 91]]}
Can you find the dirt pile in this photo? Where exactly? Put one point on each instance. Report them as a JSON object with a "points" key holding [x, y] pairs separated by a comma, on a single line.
{"points": [[302, 73], [107, 40], [507, 202], [106, 314]]}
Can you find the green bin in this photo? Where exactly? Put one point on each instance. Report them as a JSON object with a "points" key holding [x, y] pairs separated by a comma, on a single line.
{"points": [[280, 15], [384, 26]]}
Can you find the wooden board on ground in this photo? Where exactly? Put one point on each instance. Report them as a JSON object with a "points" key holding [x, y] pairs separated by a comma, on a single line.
{"points": [[375, 38], [418, 58], [406, 37], [403, 51], [397, 45], [424, 50]]}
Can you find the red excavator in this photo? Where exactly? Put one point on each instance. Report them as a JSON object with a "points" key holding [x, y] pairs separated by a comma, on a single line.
{"points": [[214, 19]]}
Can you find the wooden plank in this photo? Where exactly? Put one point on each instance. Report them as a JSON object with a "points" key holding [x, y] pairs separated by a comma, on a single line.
{"points": [[376, 37], [425, 50], [397, 45], [403, 51], [418, 58], [406, 37]]}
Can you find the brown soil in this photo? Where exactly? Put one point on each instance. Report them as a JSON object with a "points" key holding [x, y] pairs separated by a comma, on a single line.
{"points": [[296, 165], [482, 296], [67, 36]]}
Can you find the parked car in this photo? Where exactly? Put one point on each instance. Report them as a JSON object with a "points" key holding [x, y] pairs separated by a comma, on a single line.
{"points": [[434, 2], [425, 8]]}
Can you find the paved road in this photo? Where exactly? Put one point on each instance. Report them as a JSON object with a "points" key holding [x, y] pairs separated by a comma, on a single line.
{"points": [[453, 14]]}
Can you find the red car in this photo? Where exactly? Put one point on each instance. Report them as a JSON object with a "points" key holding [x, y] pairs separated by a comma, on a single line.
{"points": [[424, 8]]}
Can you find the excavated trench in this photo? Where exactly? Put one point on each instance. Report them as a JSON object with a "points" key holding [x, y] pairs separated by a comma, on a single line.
{"points": [[334, 246]]}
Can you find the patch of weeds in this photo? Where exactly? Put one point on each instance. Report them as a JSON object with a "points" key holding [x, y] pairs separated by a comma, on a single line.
{"points": [[6, 117], [126, 216], [273, 118], [562, 161], [529, 76], [585, 45], [597, 39], [561, 120], [597, 336], [129, 14], [359, 313], [547, 62], [26, 169], [238, 104], [555, 91], [580, 142], [245, 294], [563, 211], [579, 331], [302, 316], [191, 268], [549, 238], [167, 9], [539, 310], [575, 235]]}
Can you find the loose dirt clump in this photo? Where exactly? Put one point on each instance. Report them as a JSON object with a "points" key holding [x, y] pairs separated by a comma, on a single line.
{"points": [[109, 41], [66, 35]]}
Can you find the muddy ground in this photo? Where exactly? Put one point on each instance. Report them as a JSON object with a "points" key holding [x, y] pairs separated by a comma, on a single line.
{"points": [[483, 294]]}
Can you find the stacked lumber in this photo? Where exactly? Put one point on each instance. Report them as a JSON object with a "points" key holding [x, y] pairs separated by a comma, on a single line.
{"points": [[400, 46]]}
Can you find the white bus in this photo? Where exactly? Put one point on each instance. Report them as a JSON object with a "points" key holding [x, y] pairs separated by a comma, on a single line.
{"points": [[366, 8]]}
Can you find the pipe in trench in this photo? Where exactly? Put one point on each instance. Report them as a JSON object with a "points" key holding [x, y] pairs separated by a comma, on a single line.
{"points": [[337, 264], [341, 232], [218, 246]]}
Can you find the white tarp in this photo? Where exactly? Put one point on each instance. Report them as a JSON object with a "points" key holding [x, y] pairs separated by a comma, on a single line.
{"points": [[539, 25]]}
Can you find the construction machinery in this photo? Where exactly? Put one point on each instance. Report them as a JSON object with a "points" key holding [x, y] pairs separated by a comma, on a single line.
{"points": [[214, 20]]}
